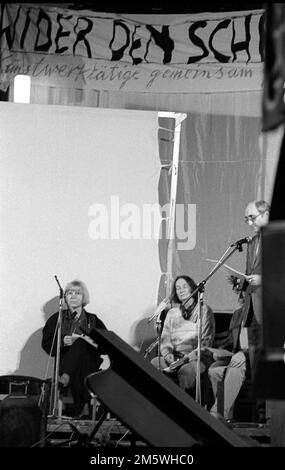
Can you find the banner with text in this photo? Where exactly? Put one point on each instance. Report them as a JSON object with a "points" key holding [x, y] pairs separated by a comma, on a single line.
{"points": [[209, 52]]}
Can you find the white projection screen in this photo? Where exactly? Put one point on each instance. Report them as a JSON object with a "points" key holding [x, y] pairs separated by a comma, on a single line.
{"points": [[68, 173]]}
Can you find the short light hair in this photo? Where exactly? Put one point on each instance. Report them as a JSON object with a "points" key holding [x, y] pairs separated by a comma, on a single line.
{"points": [[262, 206], [83, 288]]}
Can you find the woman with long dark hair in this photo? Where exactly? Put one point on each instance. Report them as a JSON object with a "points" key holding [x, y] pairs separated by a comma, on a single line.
{"points": [[179, 337]]}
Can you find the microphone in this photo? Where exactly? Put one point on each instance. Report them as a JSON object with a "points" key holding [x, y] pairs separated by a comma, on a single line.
{"points": [[162, 306], [60, 288], [242, 241]]}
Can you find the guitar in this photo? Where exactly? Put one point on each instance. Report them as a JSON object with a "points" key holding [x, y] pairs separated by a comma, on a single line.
{"points": [[176, 364], [218, 354]]}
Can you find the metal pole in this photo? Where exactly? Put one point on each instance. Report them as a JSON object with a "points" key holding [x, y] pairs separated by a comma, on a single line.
{"points": [[171, 220], [198, 374], [58, 344]]}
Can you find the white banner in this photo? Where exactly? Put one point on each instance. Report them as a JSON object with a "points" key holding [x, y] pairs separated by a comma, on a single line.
{"points": [[211, 52]]}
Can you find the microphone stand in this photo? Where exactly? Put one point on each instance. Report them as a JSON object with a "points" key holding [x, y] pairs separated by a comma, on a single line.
{"points": [[159, 330], [198, 371], [150, 348], [157, 340], [59, 325], [200, 289]]}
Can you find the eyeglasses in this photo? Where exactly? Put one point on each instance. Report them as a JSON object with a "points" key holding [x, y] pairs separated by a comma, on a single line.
{"points": [[73, 292], [251, 218]]}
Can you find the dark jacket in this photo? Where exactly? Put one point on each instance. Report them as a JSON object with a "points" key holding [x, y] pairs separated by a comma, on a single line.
{"points": [[231, 342], [252, 294], [88, 323]]}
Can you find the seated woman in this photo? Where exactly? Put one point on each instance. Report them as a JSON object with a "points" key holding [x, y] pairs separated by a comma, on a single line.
{"points": [[179, 337], [78, 357]]}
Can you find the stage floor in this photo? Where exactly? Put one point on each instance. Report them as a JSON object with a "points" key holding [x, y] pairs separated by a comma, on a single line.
{"points": [[112, 433]]}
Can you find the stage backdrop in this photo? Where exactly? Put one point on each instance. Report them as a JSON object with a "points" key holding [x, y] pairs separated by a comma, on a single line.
{"points": [[76, 186]]}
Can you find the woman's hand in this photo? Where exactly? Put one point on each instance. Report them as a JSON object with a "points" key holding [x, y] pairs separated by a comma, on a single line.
{"points": [[68, 340], [169, 358]]}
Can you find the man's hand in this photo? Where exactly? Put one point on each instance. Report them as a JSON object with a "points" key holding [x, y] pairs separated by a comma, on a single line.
{"points": [[254, 280], [236, 283]]}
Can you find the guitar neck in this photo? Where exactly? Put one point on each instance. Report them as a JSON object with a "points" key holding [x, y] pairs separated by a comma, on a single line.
{"points": [[172, 367]]}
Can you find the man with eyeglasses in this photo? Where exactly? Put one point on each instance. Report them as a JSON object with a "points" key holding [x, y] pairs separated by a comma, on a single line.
{"points": [[256, 215]]}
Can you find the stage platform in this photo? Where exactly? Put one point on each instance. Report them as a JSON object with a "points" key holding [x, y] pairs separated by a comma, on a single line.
{"points": [[112, 433], [254, 431]]}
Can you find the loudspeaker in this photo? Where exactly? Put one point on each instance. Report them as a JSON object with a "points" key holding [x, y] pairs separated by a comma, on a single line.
{"points": [[273, 284], [150, 404], [277, 209], [269, 377], [23, 411], [20, 422]]}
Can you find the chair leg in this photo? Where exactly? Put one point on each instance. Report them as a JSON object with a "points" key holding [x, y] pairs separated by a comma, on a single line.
{"points": [[94, 408], [59, 407], [221, 398]]}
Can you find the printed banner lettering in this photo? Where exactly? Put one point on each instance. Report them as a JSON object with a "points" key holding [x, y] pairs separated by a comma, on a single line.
{"points": [[195, 53]]}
